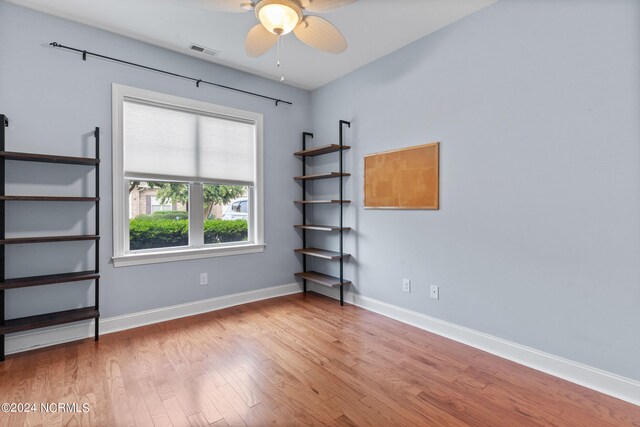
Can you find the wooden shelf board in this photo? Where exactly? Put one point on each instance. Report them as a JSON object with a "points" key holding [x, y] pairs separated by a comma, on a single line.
{"points": [[49, 198], [319, 202], [321, 253], [48, 319], [48, 158], [46, 239], [322, 279], [324, 149], [321, 176], [49, 279], [322, 227]]}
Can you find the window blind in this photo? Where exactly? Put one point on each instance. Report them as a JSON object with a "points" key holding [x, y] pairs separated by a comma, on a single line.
{"points": [[162, 143]]}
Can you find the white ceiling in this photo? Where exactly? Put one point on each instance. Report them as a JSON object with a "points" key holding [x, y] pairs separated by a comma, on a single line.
{"points": [[373, 28]]}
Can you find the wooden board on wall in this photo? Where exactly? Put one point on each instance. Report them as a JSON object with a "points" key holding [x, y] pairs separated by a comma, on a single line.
{"points": [[407, 178]]}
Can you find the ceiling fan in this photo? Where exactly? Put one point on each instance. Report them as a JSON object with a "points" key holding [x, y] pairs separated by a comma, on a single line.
{"points": [[280, 17]]}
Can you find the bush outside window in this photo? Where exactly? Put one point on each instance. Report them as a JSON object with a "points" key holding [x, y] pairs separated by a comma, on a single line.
{"points": [[225, 213]]}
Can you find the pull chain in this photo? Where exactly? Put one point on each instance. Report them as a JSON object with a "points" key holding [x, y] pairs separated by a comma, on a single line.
{"points": [[280, 47]]}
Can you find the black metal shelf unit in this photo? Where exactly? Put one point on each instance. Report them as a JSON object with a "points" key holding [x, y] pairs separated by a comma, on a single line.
{"points": [[8, 326], [340, 256]]}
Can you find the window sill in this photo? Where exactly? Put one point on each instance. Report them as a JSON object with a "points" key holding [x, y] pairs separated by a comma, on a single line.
{"points": [[184, 255]]}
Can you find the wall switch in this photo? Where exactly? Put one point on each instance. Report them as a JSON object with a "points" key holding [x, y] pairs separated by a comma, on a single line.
{"points": [[406, 285], [204, 279], [435, 292]]}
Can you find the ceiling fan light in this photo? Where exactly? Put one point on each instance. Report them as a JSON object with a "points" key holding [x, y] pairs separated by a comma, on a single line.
{"points": [[278, 17]]}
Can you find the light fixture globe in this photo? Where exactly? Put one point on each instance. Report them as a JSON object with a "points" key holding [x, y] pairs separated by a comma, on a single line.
{"points": [[279, 17]]}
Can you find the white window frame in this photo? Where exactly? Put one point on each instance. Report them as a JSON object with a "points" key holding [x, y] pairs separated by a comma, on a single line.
{"points": [[122, 256], [162, 205]]}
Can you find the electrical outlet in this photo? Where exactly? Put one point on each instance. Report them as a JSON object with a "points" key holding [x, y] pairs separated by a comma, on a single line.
{"points": [[435, 292], [406, 285], [204, 279]]}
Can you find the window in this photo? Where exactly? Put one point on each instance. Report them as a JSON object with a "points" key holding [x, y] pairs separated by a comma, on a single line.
{"points": [[159, 206], [187, 178], [159, 215]]}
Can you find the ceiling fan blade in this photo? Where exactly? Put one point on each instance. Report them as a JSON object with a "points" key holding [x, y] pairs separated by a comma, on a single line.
{"points": [[320, 6], [233, 6], [321, 34], [259, 41]]}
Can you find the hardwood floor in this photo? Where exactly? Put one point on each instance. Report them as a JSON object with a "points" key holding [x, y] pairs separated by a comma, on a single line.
{"points": [[290, 361]]}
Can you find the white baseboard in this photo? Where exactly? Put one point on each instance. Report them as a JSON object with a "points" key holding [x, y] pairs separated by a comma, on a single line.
{"points": [[605, 382], [60, 334]]}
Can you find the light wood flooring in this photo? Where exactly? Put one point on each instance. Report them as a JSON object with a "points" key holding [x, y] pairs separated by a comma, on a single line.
{"points": [[293, 360]]}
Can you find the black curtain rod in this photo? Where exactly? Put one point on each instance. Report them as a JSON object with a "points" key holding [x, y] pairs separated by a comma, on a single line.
{"points": [[169, 73]]}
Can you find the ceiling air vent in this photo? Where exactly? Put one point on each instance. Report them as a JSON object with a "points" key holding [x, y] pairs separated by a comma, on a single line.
{"points": [[202, 49]]}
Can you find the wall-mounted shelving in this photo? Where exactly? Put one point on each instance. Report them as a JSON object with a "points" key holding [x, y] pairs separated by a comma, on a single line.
{"points": [[323, 149], [339, 256], [48, 319], [322, 253], [321, 176], [48, 239], [323, 279], [8, 326], [317, 227], [48, 279], [320, 202], [48, 199], [48, 158]]}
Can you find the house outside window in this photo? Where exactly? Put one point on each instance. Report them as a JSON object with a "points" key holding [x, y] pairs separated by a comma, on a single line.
{"points": [[179, 166]]}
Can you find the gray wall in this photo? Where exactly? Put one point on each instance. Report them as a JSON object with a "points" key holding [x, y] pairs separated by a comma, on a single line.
{"points": [[536, 103], [54, 100]]}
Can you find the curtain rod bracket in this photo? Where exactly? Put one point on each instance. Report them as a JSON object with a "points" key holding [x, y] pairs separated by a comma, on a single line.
{"points": [[86, 53]]}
